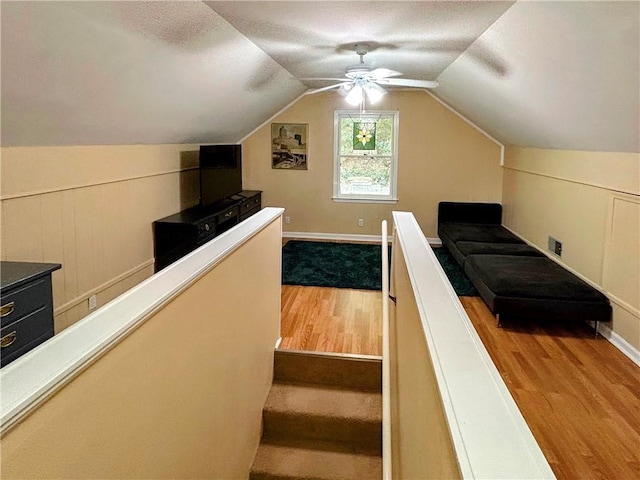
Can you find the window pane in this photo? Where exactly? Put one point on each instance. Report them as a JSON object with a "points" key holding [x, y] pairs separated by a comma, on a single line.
{"points": [[365, 175], [383, 140], [384, 135], [346, 129]]}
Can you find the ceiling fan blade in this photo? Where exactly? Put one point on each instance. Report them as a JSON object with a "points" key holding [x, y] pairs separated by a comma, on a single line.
{"points": [[318, 90], [384, 73], [407, 82]]}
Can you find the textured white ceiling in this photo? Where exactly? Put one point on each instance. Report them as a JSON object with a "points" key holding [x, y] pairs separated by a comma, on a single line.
{"points": [[543, 74], [316, 39], [87, 73]]}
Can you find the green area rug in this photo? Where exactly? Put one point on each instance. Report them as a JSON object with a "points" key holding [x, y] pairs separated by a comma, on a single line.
{"points": [[328, 264], [459, 280], [352, 265]]}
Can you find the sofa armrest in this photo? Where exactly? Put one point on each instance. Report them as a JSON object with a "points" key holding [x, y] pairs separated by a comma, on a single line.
{"points": [[463, 212]]}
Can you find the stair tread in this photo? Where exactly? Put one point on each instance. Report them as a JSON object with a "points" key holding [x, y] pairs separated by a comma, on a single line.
{"points": [[312, 400], [277, 461]]}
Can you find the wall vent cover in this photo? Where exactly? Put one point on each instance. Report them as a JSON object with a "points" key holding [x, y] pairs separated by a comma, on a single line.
{"points": [[555, 246]]}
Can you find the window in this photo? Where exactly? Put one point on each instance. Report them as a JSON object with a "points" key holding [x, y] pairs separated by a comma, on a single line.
{"points": [[366, 156]]}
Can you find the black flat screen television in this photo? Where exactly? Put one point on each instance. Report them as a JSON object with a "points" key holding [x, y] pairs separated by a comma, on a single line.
{"points": [[220, 172]]}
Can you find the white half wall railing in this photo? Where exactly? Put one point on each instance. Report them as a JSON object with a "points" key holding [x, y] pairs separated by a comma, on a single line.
{"points": [[452, 414], [387, 461], [174, 370]]}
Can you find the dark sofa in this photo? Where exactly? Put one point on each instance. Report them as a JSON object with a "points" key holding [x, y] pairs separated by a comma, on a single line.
{"points": [[514, 279]]}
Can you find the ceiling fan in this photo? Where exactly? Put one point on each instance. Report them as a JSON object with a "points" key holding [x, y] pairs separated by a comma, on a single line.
{"points": [[366, 81]]}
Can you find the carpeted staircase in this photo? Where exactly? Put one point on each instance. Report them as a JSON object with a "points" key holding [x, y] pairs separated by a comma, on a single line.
{"points": [[322, 418]]}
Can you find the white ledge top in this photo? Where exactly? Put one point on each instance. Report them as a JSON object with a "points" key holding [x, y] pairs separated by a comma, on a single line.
{"points": [[491, 438], [33, 377]]}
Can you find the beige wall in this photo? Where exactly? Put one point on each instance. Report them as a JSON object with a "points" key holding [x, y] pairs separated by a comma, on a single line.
{"points": [[441, 157], [422, 447], [590, 201], [180, 397], [90, 209]]}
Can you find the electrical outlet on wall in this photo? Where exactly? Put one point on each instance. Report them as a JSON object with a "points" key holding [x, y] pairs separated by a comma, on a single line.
{"points": [[287, 220], [93, 302], [361, 222]]}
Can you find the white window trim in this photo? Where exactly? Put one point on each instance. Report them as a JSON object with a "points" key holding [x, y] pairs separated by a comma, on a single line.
{"points": [[363, 199], [393, 196]]}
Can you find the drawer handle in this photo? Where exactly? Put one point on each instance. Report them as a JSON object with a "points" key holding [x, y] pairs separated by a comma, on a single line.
{"points": [[8, 339], [7, 309], [227, 215]]}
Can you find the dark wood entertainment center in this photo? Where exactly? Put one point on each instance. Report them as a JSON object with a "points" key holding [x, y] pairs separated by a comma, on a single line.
{"points": [[181, 233]]}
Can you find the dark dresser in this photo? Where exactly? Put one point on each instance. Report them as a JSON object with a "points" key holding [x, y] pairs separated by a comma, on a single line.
{"points": [[176, 235], [26, 307]]}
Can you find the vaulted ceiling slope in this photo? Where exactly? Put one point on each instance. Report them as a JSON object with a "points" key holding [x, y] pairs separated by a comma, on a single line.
{"points": [[570, 79], [531, 73], [100, 73], [541, 74]]}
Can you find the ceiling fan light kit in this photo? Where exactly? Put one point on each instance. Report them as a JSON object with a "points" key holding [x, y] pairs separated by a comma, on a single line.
{"points": [[354, 97], [375, 92], [356, 93], [363, 82]]}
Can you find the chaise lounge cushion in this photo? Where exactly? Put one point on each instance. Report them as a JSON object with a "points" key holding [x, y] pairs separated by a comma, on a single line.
{"points": [[461, 250], [472, 232], [453, 234], [487, 248], [534, 287]]}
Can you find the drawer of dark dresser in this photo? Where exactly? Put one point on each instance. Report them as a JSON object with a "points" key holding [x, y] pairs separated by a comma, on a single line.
{"points": [[206, 229], [250, 204], [23, 332], [25, 299], [246, 215], [228, 214], [7, 359]]}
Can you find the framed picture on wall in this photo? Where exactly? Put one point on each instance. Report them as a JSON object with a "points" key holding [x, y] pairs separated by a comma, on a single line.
{"points": [[289, 145]]}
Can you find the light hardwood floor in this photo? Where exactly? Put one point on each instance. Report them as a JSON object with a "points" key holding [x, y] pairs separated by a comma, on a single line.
{"points": [[336, 320], [579, 395]]}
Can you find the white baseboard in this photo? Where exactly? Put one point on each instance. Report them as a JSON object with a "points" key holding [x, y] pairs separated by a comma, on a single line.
{"points": [[351, 237], [620, 343]]}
